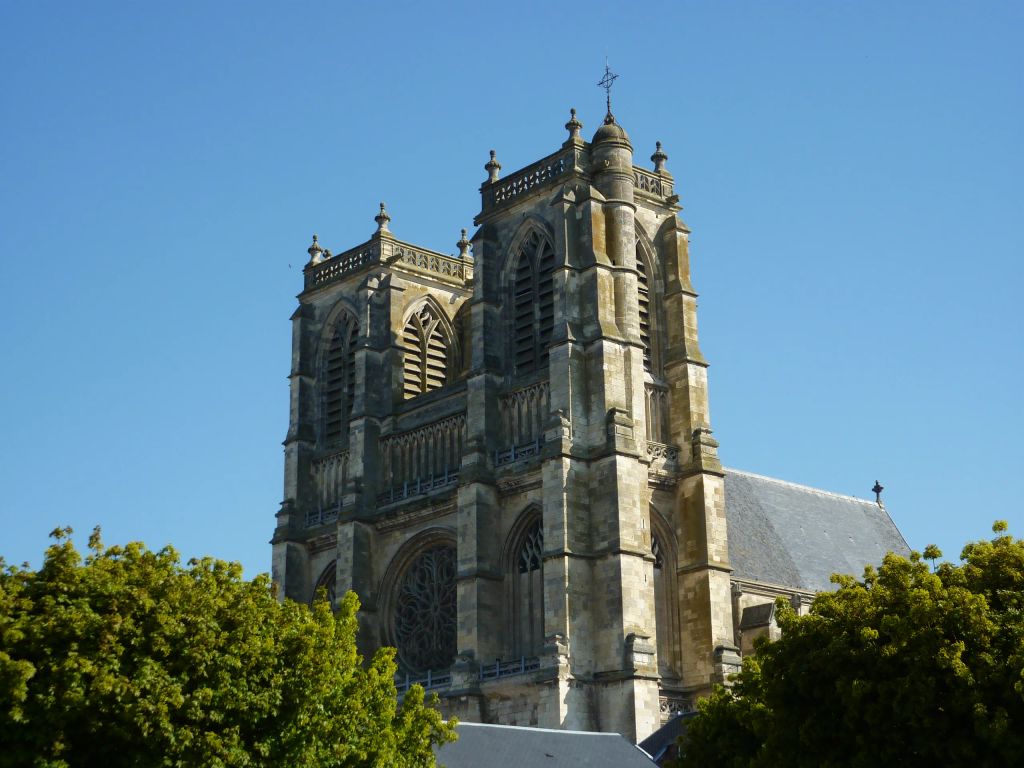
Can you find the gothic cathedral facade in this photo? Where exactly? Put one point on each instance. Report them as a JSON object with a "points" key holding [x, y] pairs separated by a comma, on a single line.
{"points": [[506, 453]]}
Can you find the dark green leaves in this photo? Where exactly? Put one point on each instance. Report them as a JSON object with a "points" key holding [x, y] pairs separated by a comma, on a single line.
{"points": [[905, 666], [131, 659]]}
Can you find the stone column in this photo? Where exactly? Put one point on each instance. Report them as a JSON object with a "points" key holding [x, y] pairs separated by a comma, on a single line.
{"points": [[480, 587], [703, 581], [621, 613], [290, 561]]}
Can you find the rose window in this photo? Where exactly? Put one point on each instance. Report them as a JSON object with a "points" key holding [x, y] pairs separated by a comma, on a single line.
{"points": [[425, 611]]}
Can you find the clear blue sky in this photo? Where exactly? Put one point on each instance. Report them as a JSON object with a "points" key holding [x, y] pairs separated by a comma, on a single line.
{"points": [[852, 173]]}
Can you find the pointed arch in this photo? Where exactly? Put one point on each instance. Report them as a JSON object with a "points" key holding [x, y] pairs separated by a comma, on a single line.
{"points": [[327, 581], [530, 266], [337, 376], [420, 600], [429, 349], [524, 568], [462, 329], [666, 609]]}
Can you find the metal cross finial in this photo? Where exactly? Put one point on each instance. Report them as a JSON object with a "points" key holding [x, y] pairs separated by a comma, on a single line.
{"points": [[606, 83], [877, 490]]}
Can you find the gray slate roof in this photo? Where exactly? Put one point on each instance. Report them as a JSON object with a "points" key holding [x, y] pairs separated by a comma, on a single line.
{"points": [[795, 536], [505, 746]]}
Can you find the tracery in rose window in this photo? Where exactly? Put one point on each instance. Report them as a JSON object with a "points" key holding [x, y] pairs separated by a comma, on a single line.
{"points": [[425, 612]]}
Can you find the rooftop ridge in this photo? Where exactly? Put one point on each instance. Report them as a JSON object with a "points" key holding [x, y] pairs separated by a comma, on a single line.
{"points": [[799, 486], [543, 730]]}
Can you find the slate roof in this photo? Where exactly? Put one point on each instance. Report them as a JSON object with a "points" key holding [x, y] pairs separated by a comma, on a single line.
{"points": [[506, 746], [757, 616], [795, 536], [662, 745]]}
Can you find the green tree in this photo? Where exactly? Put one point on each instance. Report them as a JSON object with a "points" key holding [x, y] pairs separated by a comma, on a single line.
{"points": [[902, 667], [129, 658]]}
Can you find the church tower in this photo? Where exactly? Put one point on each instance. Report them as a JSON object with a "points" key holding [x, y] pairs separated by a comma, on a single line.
{"points": [[506, 452]]}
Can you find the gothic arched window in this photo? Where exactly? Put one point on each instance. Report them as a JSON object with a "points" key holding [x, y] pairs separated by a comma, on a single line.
{"points": [[462, 325], [424, 353], [533, 303], [665, 609], [339, 377], [425, 611], [528, 592], [328, 583]]}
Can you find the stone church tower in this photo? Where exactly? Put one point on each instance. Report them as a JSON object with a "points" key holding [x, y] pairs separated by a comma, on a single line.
{"points": [[507, 453]]}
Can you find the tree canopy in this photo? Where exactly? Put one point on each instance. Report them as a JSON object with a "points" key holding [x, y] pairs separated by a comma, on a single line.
{"points": [[128, 658], [908, 665]]}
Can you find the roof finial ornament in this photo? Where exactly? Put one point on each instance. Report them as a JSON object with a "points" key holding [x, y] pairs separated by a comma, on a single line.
{"points": [[382, 220], [877, 490], [606, 83], [493, 167], [573, 126], [463, 246], [658, 158], [316, 253]]}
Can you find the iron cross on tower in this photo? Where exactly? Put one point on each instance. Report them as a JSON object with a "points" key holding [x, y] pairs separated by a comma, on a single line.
{"points": [[606, 83]]}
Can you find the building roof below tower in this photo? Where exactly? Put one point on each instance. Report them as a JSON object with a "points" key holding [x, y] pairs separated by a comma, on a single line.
{"points": [[504, 746], [794, 536]]}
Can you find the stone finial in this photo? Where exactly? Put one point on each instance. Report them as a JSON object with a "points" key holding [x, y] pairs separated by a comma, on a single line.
{"points": [[877, 490], [316, 253], [573, 126], [493, 168], [463, 246], [658, 158], [382, 220]]}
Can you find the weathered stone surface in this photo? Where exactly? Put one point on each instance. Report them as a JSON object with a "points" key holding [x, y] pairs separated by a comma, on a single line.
{"points": [[539, 405]]}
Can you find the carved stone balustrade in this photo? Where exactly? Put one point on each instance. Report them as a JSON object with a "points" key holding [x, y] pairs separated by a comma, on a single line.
{"points": [[448, 269], [653, 184], [671, 704], [452, 270], [664, 464], [499, 194], [343, 264]]}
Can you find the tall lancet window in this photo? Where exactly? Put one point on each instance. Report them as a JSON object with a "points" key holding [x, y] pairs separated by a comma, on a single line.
{"points": [[665, 610], [425, 353], [528, 593], [339, 378], [644, 292], [533, 303]]}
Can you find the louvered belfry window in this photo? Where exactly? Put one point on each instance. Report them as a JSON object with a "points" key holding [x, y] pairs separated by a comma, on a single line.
{"points": [[425, 353], [533, 304], [339, 380], [644, 292]]}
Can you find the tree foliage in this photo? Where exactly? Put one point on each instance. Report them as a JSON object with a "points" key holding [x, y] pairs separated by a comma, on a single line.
{"points": [[905, 666], [129, 658]]}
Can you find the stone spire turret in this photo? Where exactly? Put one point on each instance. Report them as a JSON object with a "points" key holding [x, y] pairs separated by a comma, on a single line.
{"points": [[658, 158], [463, 246], [493, 168], [382, 220], [316, 253], [574, 127]]}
